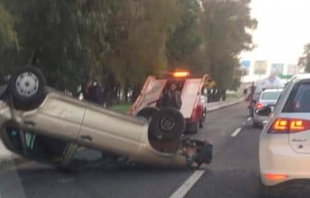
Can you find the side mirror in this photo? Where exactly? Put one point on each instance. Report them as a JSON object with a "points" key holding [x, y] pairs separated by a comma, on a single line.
{"points": [[270, 109]]}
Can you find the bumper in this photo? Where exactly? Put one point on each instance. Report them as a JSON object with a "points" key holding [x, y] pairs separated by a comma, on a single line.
{"points": [[279, 163], [259, 118]]}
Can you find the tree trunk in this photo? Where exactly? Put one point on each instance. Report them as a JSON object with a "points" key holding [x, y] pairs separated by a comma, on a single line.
{"points": [[135, 92], [224, 95], [109, 92], [126, 89]]}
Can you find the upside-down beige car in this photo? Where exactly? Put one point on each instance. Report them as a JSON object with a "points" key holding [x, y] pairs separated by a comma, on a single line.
{"points": [[46, 125]]}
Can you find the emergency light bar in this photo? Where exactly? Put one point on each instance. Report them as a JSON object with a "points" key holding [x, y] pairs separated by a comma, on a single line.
{"points": [[180, 74]]}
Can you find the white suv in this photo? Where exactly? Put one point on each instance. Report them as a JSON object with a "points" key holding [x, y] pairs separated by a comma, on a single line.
{"points": [[284, 144]]}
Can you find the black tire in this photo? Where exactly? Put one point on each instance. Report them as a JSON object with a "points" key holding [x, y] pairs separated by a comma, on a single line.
{"points": [[201, 123], [167, 124], [193, 128], [269, 191], [255, 124], [203, 118], [147, 112], [27, 88]]}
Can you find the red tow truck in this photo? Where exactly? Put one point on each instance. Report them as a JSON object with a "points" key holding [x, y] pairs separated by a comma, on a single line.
{"points": [[193, 95]]}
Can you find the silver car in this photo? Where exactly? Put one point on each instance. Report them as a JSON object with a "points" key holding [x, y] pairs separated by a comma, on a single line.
{"points": [[264, 106], [43, 124]]}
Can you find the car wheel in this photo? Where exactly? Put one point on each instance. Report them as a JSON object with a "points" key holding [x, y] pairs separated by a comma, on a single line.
{"points": [[193, 128], [27, 88], [202, 119], [147, 112], [167, 124], [255, 124], [268, 191], [201, 123]]}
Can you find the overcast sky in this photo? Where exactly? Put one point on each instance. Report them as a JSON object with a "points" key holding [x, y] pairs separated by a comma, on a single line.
{"points": [[283, 29]]}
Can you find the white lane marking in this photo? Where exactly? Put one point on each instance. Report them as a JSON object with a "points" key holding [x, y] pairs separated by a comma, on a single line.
{"points": [[236, 132], [187, 185], [249, 119]]}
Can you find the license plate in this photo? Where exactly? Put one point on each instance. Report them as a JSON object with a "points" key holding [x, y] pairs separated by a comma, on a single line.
{"points": [[271, 108]]}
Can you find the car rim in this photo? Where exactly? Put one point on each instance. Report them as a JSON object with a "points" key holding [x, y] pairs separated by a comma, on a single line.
{"points": [[27, 84], [167, 124]]}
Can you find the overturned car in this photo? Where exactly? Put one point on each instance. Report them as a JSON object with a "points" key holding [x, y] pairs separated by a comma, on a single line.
{"points": [[46, 125]]}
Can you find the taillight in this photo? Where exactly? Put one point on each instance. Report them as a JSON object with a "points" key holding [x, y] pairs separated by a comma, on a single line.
{"points": [[289, 125], [280, 125], [259, 106], [299, 125], [275, 176]]}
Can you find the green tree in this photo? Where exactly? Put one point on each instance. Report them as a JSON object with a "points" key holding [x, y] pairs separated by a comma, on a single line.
{"points": [[226, 25], [304, 61], [7, 32], [184, 38], [119, 42], [8, 39], [49, 38]]}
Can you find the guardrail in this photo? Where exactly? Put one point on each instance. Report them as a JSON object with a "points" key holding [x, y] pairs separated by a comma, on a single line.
{"points": [[222, 104]]}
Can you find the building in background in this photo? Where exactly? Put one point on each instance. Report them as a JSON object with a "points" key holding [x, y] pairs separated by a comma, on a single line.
{"points": [[245, 67], [256, 70], [260, 67], [277, 69], [292, 69]]}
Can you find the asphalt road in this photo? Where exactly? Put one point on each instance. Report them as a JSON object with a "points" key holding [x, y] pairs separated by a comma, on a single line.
{"points": [[233, 173]]}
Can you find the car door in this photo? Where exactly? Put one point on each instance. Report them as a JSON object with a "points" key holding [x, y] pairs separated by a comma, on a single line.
{"points": [[107, 130], [149, 95], [60, 116], [153, 92], [189, 96]]}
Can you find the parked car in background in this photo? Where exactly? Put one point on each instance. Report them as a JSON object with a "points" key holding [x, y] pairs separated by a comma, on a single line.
{"points": [[264, 105]]}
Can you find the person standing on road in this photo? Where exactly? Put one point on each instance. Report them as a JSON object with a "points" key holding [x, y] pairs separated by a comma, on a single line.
{"points": [[95, 93], [171, 98], [85, 91], [252, 92], [245, 91]]}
